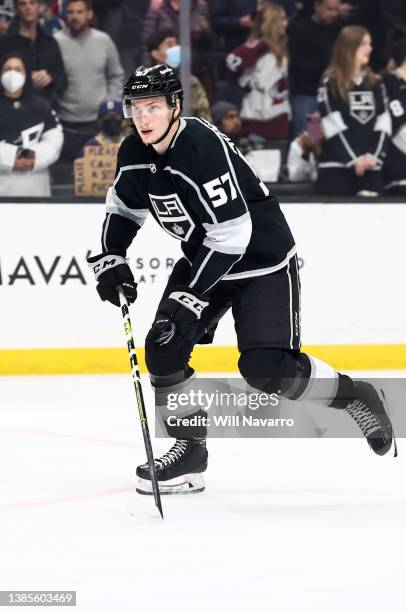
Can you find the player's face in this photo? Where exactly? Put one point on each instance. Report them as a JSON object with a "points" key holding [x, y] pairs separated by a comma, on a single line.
{"points": [[28, 10], [151, 118], [78, 17], [364, 51]]}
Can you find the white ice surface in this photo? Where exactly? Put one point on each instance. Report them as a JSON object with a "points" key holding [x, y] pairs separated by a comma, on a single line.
{"points": [[284, 525]]}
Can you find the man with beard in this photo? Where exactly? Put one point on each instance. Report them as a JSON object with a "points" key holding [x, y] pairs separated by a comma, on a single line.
{"points": [[93, 67]]}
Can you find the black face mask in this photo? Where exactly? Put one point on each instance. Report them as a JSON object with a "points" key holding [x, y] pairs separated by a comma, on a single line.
{"points": [[112, 127]]}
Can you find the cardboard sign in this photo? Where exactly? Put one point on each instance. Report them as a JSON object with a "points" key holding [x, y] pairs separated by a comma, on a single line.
{"points": [[94, 172]]}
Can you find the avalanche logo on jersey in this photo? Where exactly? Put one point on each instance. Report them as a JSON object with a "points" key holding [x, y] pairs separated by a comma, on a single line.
{"points": [[362, 105], [172, 215]]}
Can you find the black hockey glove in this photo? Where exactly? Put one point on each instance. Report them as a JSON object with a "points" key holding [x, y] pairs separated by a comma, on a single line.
{"points": [[110, 271], [178, 317]]}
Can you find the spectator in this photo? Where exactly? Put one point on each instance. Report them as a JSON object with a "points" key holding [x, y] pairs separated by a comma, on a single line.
{"points": [[266, 163], [306, 8], [290, 6], [311, 40], [129, 45], [94, 74], [166, 17], [394, 12], [109, 17], [233, 20], [261, 64], [30, 135], [39, 50], [163, 48], [355, 119], [226, 117], [304, 152], [49, 21], [395, 163], [59, 7], [112, 126], [6, 15], [369, 14]]}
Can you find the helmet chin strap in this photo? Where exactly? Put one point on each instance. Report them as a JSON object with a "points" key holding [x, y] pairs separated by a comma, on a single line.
{"points": [[165, 134]]}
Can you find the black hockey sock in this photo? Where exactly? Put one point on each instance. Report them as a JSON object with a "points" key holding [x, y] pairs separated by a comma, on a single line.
{"points": [[346, 391]]}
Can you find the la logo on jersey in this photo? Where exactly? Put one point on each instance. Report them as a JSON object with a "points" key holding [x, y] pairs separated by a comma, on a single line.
{"points": [[362, 105], [172, 215]]}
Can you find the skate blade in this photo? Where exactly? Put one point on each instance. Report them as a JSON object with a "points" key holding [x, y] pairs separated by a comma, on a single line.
{"points": [[184, 485]]}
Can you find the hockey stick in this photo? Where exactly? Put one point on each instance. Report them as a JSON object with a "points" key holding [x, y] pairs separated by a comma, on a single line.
{"points": [[139, 397]]}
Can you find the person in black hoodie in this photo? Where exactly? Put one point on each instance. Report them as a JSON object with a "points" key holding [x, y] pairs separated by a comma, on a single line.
{"points": [[233, 20], [130, 43], [109, 17], [311, 40], [40, 51]]}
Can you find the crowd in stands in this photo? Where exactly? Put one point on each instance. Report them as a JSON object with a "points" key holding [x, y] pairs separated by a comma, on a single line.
{"points": [[310, 91]]}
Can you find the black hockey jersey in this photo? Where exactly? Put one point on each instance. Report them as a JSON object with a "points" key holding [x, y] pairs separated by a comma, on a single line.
{"points": [[395, 164], [202, 192], [355, 126]]}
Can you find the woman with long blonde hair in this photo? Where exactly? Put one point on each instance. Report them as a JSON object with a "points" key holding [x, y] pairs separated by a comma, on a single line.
{"points": [[261, 65], [355, 119]]}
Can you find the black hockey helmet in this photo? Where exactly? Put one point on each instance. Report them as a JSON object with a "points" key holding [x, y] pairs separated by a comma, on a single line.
{"points": [[160, 80]]}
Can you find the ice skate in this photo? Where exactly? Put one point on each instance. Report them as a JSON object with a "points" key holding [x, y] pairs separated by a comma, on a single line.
{"points": [[179, 470], [369, 412]]}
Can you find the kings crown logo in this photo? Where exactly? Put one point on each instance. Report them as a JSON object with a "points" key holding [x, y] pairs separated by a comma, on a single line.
{"points": [[178, 229]]}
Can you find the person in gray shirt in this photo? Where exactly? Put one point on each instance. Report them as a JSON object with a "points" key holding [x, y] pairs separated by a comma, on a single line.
{"points": [[94, 74]]}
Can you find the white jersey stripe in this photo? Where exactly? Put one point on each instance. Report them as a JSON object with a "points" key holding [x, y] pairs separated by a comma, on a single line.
{"points": [[104, 242], [290, 306], [219, 279], [299, 299], [230, 165], [200, 270], [341, 136], [132, 167], [116, 206], [262, 271], [182, 125], [196, 188]]}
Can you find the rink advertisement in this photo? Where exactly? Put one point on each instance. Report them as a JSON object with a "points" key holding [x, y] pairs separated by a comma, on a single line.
{"points": [[350, 258]]}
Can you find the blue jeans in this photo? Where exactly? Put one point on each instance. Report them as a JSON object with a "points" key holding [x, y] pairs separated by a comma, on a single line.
{"points": [[301, 107]]}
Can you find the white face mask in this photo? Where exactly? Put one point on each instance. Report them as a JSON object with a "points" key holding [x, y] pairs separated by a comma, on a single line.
{"points": [[12, 80], [173, 56]]}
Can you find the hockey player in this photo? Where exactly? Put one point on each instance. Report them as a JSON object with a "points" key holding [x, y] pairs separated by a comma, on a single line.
{"points": [[355, 120], [238, 252], [395, 165]]}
